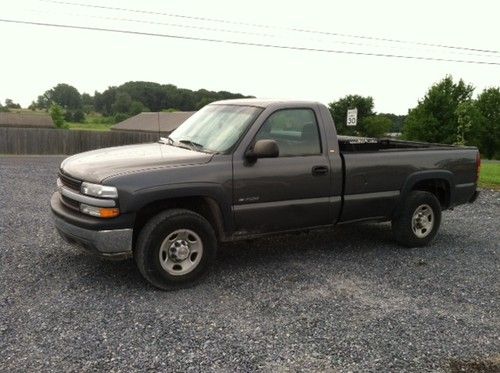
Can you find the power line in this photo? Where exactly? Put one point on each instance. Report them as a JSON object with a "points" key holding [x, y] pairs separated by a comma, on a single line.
{"points": [[235, 42], [195, 27], [215, 29], [302, 30]]}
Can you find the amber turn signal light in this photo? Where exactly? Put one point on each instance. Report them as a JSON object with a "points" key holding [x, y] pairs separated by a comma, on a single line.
{"points": [[100, 212], [106, 212]]}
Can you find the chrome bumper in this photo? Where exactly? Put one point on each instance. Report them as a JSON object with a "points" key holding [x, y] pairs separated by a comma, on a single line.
{"points": [[113, 244]]}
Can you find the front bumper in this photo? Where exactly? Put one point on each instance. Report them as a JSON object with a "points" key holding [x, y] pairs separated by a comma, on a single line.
{"points": [[107, 242]]}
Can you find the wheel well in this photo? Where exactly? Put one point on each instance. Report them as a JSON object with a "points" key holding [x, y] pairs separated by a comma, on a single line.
{"points": [[205, 206], [439, 187]]}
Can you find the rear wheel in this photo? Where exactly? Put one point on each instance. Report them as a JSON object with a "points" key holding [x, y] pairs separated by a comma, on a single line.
{"points": [[418, 221], [175, 249]]}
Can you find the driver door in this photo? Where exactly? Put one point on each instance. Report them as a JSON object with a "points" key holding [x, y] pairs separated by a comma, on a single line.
{"points": [[290, 191]]}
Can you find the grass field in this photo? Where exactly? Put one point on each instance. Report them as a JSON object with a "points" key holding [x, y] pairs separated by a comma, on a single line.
{"points": [[93, 122], [490, 175], [90, 126]]}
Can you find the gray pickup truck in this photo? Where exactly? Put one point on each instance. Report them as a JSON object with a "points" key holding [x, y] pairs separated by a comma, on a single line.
{"points": [[240, 169]]}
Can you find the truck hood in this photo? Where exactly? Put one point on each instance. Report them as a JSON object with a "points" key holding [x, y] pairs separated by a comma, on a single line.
{"points": [[97, 165]]}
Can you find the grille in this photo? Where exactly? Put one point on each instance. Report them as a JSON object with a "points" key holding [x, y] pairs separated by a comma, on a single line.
{"points": [[72, 204], [70, 182]]}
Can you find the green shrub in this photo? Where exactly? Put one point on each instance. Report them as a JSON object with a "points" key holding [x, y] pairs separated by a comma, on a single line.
{"points": [[78, 116], [137, 107], [120, 117], [57, 114]]}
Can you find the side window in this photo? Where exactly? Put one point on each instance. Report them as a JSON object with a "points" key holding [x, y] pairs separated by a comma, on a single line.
{"points": [[295, 131]]}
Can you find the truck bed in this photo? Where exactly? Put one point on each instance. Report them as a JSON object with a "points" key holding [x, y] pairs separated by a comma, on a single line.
{"points": [[367, 144], [372, 184]]}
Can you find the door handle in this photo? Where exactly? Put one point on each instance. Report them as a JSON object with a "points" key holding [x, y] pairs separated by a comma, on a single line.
{"points": [[319, 170]]}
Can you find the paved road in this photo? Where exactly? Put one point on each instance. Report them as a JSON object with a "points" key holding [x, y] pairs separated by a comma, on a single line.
{"points": [[338, 300]]}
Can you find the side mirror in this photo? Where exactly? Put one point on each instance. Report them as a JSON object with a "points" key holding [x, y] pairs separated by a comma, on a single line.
{"points": [[263, 149]]}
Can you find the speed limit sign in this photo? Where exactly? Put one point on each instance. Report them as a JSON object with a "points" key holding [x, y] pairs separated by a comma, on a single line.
{"points": [[352, 117]]}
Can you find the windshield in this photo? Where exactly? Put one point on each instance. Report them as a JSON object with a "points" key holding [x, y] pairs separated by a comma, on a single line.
{"points": [[215, 128]]}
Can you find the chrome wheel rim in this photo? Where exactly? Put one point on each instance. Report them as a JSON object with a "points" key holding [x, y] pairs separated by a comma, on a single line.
{"points": [[181, 252], [422, 221]]}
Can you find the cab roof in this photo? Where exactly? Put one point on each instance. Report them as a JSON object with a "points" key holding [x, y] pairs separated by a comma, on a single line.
{"points": [[264, 103]]}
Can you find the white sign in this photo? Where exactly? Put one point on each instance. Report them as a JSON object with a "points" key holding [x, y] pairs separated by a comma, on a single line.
{"points": [[352, 117]]}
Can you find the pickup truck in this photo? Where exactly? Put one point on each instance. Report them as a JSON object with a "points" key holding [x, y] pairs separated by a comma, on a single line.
{"points": [[240, 169]]}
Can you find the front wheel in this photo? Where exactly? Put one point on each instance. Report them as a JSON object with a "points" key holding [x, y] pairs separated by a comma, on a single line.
{"points": [[175, 249], [418, 221]]}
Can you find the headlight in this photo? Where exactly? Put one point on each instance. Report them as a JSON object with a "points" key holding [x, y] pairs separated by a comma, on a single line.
{"points": [[96, 190]]}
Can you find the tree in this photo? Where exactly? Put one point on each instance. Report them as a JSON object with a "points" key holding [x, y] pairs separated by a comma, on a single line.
{"points": [[488, 104], [42, 102], [63, 95], [122, 103], [469, 123], [339, 109], [128, 97], [9, 104], [397, 121], [376, 126], [137, 107], [57, 114], [87, 99], [87, 103], [435, 118], [103, 102]]}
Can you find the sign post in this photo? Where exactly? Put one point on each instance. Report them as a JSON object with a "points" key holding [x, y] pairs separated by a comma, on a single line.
{"points": [[352, 117]]}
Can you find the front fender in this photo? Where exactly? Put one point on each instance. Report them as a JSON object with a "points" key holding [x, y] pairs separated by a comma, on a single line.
{"points": [[138, 199]]}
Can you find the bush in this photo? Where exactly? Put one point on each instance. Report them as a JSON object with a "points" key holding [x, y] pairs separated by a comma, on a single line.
{"points": [[67, 116], [57, 114], [120, 117], [78, 116], [100, 119]]}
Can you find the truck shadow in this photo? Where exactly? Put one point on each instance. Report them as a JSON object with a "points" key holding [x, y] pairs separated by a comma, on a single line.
{"points": [[346, 239], [350, 242]]}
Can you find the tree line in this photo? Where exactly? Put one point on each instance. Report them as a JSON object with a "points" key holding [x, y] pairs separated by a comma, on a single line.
{"points": [[447, 114], [126, 100], [9, 104]]}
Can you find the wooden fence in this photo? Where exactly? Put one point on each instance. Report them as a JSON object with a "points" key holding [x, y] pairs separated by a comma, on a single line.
{"points": [[59, 141]]}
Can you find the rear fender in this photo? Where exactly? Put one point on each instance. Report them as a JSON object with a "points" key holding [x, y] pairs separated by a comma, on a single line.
{"points": [[413, 179]]}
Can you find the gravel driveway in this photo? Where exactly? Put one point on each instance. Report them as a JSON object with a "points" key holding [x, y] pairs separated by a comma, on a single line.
{"points": [[342, 300]]}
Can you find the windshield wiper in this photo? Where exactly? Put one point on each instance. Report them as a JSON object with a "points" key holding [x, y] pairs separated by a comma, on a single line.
{"points": [[167, 140], [191, 145], [170, 141]]}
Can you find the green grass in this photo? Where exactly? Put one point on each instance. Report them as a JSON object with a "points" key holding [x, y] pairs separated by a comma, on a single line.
{"points": [[90, 126], [93, 122], [490, 175]]}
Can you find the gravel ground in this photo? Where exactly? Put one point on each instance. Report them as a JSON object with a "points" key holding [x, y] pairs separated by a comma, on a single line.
{"points": [[342, 300]]}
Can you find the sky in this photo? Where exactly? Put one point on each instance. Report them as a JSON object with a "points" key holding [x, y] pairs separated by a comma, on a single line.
{"points": [[36, 58]]}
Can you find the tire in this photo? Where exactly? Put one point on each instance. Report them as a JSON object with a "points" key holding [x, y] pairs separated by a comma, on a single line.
{"points": [[418, 220], [175, 249]]}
